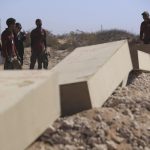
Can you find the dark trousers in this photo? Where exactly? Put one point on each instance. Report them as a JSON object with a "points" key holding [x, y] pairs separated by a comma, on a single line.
{"points": [[36, 56], [41, 58], [21, 53], [45, 60], [147, 41], [8, 65], [12, 64]]}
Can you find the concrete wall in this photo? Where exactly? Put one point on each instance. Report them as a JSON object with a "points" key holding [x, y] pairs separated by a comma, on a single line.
{"points": [[109, 76], [89, 75], [31, 100], [77, 98], [144, 60], [134, 48], [29, 104]]}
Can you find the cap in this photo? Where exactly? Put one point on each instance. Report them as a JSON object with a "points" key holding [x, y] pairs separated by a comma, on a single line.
{"points": [[145, 13]]}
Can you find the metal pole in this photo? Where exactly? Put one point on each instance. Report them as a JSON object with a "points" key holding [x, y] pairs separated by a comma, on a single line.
{"points": [[101, 27]]}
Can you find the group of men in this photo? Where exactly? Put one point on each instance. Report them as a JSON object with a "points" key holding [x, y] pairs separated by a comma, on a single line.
{"points": [[12, 48]]}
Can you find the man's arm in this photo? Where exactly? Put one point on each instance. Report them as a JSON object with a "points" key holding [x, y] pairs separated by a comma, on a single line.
{"points": [[0, 47], [141, 32], [23, 36], [31, 36], [16, 51], [45, 42], [4, 46]]}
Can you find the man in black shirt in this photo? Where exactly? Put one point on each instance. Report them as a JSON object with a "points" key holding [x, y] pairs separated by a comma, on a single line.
{"points": [[19, 41], [145, 28]]}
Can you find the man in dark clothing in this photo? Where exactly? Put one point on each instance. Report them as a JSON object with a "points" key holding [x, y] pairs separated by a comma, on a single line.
{"points": [[0, 47], [1, 58], [19, 39], [145, 28], [38, 45], [9, 51]]}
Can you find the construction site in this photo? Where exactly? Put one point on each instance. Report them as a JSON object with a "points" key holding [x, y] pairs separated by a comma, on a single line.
{"points": [[94, 97]]}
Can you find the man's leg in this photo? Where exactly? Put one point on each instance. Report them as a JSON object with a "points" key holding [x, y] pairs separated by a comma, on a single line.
{"points": [[21, 56], [21, 53], [8, 65], [40, 61], [45, 61], [33, 60]]}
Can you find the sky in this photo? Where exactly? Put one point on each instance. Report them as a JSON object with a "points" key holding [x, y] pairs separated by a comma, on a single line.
{"points": [[63, 16]]}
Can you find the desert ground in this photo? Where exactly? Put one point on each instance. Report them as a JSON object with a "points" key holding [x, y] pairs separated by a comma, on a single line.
{"points": [[123, 123]]}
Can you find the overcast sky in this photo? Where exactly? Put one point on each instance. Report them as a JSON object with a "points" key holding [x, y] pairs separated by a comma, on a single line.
{"points": [[61, 16]]}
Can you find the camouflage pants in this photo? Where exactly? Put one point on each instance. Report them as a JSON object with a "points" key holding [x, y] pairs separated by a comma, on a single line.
{"points": [[8, 65], [45, 60], [12, 64], [41, 58], [21, 53]]}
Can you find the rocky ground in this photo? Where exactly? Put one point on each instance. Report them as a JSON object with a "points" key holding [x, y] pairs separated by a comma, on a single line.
{"points": [[123, 123]]}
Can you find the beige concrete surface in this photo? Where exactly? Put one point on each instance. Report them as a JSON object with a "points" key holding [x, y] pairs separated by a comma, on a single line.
{"points": [[28, 105], [1, 67], [144, 60], [93, 70], [134, 53]]}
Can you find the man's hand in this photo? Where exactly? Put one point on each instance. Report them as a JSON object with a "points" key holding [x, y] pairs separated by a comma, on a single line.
{"points": [[45, 50], [14, 58], [18, 57]]}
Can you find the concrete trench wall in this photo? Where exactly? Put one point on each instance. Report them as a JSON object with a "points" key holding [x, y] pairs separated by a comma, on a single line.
{"points": [[30, 101], [89, 91]]}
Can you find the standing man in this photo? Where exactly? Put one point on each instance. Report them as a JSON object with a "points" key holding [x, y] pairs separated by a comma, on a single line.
{"points": [[19, 41], [0, 47], [145, 28], [38, 44], [1, 58], [9, 51]]}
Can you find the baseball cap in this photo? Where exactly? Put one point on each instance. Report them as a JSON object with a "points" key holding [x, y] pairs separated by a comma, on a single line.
{"points": [[146, 13]]}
